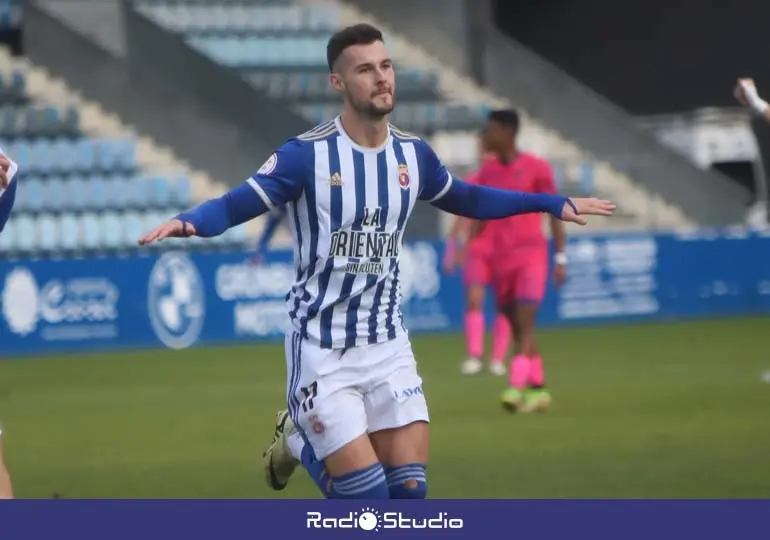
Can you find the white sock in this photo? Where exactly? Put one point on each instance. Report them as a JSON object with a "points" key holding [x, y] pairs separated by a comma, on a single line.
{"points": [[296, 443]]}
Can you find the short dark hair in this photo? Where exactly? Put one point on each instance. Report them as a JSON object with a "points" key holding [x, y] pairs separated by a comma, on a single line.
{"points": [[506, 117], [358, 34]]}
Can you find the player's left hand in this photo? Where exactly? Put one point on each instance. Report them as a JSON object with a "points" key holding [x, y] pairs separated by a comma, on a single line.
{"points": [[560, 274], [581, 207]]}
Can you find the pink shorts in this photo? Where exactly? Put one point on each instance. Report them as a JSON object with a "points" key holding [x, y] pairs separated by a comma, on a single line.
{"points": [[478, 269], [523, 279]]}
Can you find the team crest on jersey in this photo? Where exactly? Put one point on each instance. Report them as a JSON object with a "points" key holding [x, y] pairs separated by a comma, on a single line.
{"points": [[335, 179], [269, 165], [403, 176]]}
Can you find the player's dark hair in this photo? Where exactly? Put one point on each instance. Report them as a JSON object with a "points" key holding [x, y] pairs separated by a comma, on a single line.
{"points": [[358, 34], [507, 117]]}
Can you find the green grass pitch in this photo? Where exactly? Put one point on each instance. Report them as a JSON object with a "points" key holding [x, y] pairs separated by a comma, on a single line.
{"points": [[669, 410]]}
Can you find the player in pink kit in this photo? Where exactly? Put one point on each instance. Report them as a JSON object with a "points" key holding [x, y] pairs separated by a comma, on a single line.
{"points": [[475, 256], [520, 257]]}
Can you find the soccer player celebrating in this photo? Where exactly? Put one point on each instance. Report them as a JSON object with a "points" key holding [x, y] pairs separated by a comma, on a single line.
{"points": [[475, 256], [520, 259], [6, 490], [353, 390]]}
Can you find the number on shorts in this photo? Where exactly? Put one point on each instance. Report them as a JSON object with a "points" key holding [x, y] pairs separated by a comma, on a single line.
{"points": [[309, 393]]}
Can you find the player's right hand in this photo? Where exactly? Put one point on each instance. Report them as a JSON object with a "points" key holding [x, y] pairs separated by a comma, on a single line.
{"points": [[742, 86], [171, 229], [585, 207]]}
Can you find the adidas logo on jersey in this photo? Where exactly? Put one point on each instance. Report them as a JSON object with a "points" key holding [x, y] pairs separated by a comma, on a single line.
{"points": [[335, 180]]}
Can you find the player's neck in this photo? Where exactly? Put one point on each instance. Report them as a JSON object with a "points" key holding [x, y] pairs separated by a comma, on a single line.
{"points": [[509, 155], [365, 132]]}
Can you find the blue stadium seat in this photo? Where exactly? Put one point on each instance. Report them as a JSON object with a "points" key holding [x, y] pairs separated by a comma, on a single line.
{"points": [[9, 122], [69, 236], [126, 154], [160, 194], [91, 232], [61, 155], [71, 120], [116, 192], [18, 84], [29, 121], [230, 50], [50, 122], [141, 193], [181, 192], [106, 155], [35, 195], [98, 198], [8, 237], [26, 234], [129, 191], [48, 233], [321, 18], [41, 156], [22, 194], [20, 152], [55, 194], [586, 178], [112, 230], [558, 177], [86, 155], [133, 228], [79, 193]]}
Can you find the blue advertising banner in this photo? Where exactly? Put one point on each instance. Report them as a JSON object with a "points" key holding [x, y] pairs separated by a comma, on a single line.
{"points": [[479, 519], [179, 299]]}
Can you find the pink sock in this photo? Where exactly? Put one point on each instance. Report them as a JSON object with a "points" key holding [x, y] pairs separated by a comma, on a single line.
{"points": [[501, 339], [519, 371], [536, 372], [474, 333]]}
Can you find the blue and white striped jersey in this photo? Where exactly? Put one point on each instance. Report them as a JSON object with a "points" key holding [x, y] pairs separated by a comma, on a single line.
{"points": [[348, 209]]}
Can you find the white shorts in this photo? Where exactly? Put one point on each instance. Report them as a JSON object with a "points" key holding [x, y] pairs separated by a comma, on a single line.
{"points": [[336, 396]]}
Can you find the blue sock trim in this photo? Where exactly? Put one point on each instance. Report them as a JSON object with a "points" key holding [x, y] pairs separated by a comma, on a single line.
{"points": [[397, 478], [368, 483], [399, 475]]}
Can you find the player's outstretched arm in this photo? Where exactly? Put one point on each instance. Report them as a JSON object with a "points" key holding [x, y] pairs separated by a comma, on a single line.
{"points": [[745, 91], [279, 181], [481, 202], [212, 217], [449, 194]]}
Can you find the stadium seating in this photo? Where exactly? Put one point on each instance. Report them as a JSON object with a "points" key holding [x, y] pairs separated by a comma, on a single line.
{"points": [[280, 47], [10, 13], [80, 193]]}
